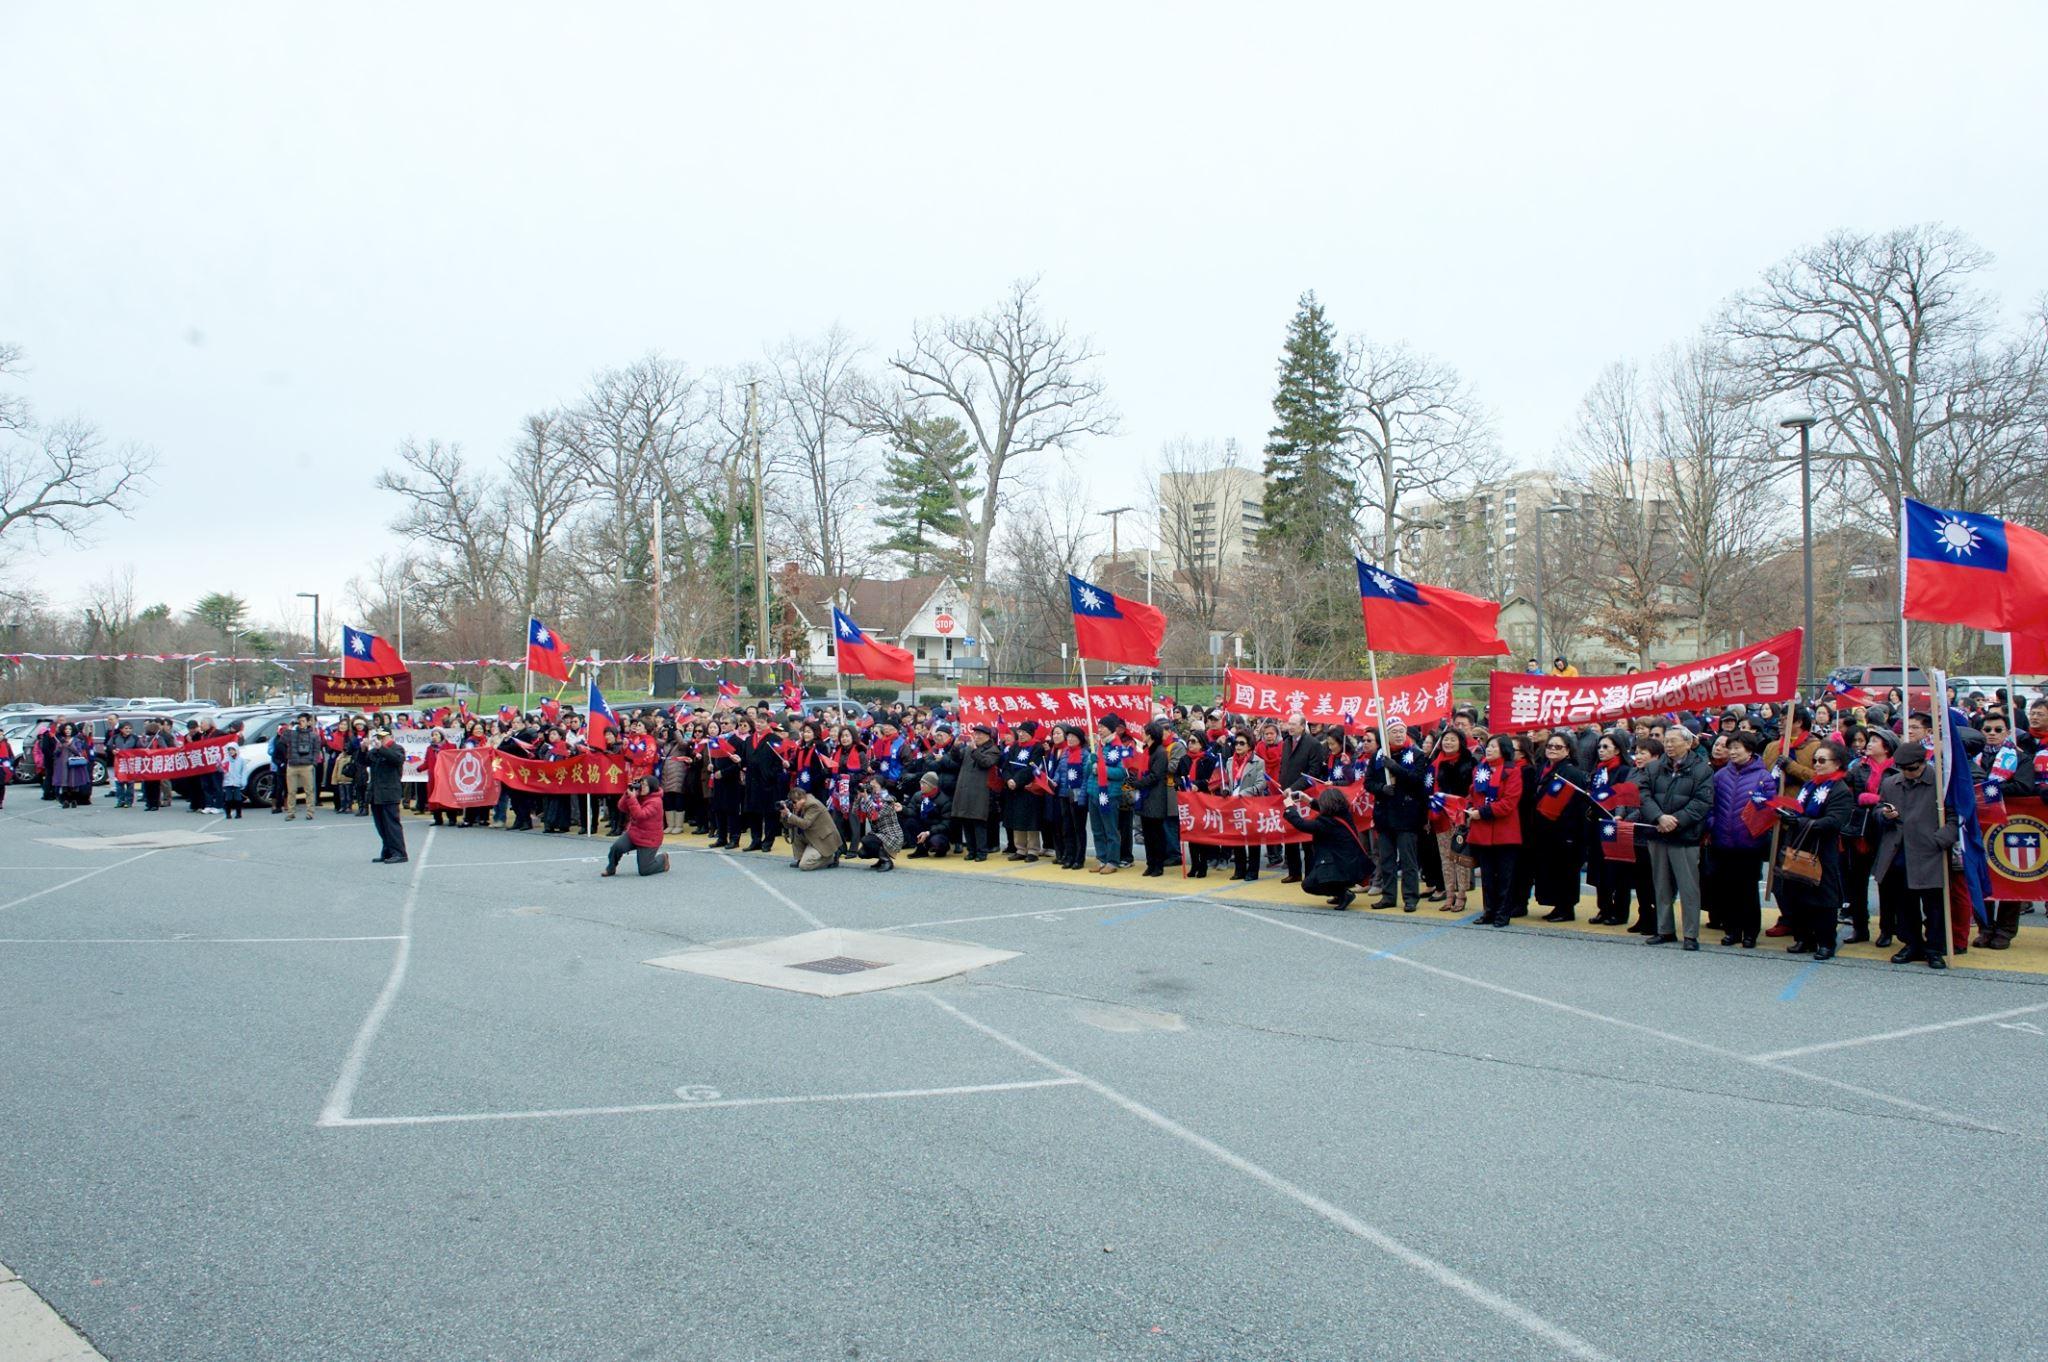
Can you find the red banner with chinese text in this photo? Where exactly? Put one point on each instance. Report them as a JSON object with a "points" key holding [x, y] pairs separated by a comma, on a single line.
{"points": [[1759, 674], [1423, 699], [176, 763], [593, 773], [463, 778], [1234, 820], [2016, 844], [1054, 705], [362, 692]]}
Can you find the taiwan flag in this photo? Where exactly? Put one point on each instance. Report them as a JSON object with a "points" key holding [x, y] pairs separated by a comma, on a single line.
{"points": [[1618, 840], [546, 654], [728, 691], [1556, 798], [1623, 795], [551, 709], [860, 655], [598, 717], [1971, 569], [364, 654], [1109, 628], [1406, 617]]}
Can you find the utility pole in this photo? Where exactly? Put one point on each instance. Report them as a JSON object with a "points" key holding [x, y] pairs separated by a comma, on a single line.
{"points": [[760, 538], [1115, 514], [655, 646]]}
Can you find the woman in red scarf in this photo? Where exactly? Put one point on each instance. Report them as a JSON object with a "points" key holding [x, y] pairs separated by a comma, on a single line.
{"points": [[1450, 778], [1860, 845], [1493, 827], [1825, 805]]}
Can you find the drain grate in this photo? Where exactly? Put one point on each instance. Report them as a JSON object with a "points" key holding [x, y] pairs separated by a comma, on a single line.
{"points": [[839, 964]]}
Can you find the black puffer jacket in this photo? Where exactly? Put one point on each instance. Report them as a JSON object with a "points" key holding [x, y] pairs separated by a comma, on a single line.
{"points": [[1685, 791]]}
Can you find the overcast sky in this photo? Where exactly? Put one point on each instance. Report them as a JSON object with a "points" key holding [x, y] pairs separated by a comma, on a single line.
{"points": [[272, 241]]}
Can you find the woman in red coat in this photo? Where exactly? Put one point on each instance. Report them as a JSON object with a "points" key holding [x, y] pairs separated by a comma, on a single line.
{"points": [[1493, 828], [641, 804]]}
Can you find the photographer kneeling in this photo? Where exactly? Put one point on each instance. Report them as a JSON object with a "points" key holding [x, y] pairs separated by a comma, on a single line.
{"points": [[811, 828], [1337, 859], [641, 804]]}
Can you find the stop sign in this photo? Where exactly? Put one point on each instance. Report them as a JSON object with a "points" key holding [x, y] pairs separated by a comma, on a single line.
{"points": [[944, 624]]}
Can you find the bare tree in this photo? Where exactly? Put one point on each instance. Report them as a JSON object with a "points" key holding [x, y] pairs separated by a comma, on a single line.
{"points": [[57, 479], [1417, 429], [1896, 350], [454, 507], [631, 436], [1019, 383], [1047, 538], [820, 394], [1188, 475], [540, 496], [1623, 509]]}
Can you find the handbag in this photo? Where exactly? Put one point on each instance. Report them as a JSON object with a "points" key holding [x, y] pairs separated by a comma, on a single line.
{"points": [[1797, 863], [1461, 851]]}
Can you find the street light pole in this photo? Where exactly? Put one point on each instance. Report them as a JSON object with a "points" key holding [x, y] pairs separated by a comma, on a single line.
{"points": [[760, 536], [1803, 423], [313, 596], [1555, 508]]}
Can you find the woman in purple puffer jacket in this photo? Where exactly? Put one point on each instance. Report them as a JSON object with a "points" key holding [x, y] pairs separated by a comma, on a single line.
{"points": [[1735, 855]]}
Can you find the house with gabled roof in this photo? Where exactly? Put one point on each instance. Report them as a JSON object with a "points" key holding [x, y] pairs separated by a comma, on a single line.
{"points": [[929, 615]]}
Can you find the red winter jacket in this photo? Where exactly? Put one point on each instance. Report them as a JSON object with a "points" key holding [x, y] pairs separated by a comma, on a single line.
{"points": [[643, 819], [1496, 817]]}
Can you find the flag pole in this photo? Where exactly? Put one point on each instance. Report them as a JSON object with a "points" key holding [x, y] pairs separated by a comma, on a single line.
{"points": [[1905, 638], [526, 676]]}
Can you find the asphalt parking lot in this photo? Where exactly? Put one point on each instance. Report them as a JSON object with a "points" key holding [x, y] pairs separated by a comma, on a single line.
{"points": [[265, 1100]]}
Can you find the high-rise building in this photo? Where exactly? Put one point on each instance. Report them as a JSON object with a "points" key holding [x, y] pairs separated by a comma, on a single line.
{"points": [[1211, 518]]}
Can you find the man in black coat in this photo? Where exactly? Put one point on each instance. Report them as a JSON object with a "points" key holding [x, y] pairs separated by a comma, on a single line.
{"points": [[1301, 756], [387, 770], [1400, 805]]}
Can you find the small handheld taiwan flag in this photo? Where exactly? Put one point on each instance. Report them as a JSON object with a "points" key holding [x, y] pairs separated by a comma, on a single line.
{"points": [[1625, 795], [1618, 839], [365, 654], [1557, 797], [728, 692], [599, 718]]}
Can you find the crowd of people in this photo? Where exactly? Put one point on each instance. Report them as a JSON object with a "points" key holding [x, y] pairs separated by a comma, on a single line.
{"points": [[1814, 806]]}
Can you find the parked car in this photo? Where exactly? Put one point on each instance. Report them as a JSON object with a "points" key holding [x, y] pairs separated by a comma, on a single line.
{"points": [[1878, 680], [444, 690], [257, 731], [838, 710], [1987, 686]]}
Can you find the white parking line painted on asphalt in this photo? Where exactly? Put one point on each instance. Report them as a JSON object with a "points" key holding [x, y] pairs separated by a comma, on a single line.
{"points": [[1442, 1273], [344, 1091], [79, 879], [177, 940], [1150, 899], [1670, 1037], [709, 1104], [774, 893], [1775, 1055]]}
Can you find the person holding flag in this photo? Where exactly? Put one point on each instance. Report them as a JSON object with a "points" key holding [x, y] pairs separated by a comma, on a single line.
{"points": [[1555, 840], [1493, 824], [1912, 855], [1735, 848], [1815, 825]]}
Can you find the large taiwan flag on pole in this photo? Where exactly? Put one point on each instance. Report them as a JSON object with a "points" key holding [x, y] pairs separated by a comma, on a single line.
{"points": [[1977, 570], [365, 654], [860, 655], [1110, 628], [598, 718], [1407, 617], [546, 654]]}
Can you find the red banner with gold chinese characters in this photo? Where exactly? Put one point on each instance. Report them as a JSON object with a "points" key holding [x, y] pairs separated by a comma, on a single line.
{"points": [[1421, 699], [1759, 674], [362, 692], [592, 773]]}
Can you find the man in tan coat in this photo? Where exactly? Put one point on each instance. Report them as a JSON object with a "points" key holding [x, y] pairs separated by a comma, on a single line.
{"points": [[811, 831]]}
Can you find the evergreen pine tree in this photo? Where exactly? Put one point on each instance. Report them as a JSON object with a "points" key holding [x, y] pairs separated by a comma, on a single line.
{"points": [[1309, 497], [917, 497]]}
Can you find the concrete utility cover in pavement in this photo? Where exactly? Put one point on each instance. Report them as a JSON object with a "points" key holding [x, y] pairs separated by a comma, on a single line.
{"points": [[133, 841], [834, 963]]}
